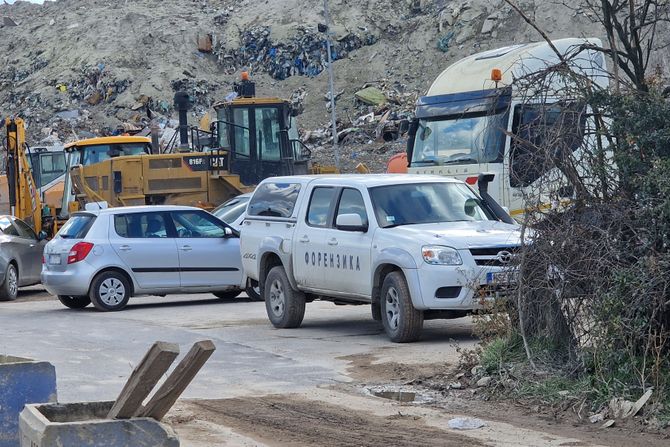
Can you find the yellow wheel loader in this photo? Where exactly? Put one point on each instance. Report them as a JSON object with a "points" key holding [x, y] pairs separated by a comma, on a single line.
{"points": [[250, 139]]}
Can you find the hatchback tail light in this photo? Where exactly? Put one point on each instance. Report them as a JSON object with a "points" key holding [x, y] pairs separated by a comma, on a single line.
{"points": [[79, 251]]}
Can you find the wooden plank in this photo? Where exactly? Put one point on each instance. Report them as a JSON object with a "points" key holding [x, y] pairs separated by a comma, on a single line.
{"points": [[144, 377], [161, 402]]}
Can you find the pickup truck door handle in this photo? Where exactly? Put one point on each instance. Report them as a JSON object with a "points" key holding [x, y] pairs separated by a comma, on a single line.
{"points": [[185, 248], [124, 248], [304, 239], [333, 241]]}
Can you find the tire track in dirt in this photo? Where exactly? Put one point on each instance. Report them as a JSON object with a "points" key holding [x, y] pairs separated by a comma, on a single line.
{"points": [[286, 420]]}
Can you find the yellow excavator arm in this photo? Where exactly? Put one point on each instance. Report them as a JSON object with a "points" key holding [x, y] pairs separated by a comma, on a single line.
{"points": [[24, 198]]}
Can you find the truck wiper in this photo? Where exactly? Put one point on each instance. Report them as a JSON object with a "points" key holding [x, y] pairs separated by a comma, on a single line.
{"points": [[399, 224], [461, 160]]}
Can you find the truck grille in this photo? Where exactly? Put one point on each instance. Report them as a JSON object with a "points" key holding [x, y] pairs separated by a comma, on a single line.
{"points": [[495, 256]]}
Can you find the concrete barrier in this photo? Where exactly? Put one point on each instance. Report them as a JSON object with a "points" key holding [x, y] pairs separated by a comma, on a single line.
{"points": [[84, 425], [22, 381]]}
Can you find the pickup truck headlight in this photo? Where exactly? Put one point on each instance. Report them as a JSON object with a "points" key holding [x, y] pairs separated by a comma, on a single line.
{"points": [[440, 255]]}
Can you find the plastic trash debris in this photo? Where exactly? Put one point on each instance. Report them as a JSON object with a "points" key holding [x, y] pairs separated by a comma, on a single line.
{"points": [[443, 42], [371, 95], [303, 54]]}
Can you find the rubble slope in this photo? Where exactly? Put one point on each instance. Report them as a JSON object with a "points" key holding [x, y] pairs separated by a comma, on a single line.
{"points": [[75, 68]]}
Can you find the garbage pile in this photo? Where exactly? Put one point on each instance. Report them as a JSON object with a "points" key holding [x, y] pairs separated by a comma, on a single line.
{"points": [[94, 85], [304, 54], [384, 109], [376, 131], [201, 93]]}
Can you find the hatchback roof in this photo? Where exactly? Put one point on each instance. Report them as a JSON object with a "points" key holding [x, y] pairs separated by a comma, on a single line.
{"points": [[139, 209]]}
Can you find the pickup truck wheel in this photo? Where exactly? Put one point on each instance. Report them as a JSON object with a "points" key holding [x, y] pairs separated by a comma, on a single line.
{"points": [[402, 322], [285, 306], [74, 302]]}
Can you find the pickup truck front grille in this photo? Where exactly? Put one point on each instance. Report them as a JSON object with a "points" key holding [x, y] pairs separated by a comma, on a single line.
{"points": [[493, 251], [495, 256]]}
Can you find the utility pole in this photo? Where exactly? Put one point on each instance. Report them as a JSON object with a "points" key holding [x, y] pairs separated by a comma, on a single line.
{"points": [[331, 82]]}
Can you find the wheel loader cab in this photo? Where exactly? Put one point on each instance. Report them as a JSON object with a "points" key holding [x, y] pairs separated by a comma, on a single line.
{"points": [[262, 138], [95, 150]]}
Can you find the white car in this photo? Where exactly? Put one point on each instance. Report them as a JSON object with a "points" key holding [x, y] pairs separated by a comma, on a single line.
{"points": [[414, 247], [233, 211], [106, 256]]}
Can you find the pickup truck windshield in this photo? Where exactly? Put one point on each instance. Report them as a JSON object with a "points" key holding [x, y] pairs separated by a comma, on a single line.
{"points": [[423, 203]]}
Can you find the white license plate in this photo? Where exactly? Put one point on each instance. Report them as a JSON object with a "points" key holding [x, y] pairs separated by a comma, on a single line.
{"points": [[501, 277], [54, 259]]}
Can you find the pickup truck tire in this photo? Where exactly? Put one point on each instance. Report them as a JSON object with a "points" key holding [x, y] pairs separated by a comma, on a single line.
{"points": [[285, 306], [402, 322]]}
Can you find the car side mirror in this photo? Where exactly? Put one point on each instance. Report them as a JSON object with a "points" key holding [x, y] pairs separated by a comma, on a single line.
{"points": [[42, 235], [228, 232], [350, 222]]}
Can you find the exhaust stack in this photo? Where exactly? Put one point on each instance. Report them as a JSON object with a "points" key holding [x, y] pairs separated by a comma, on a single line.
{"points": [[181, 103]]}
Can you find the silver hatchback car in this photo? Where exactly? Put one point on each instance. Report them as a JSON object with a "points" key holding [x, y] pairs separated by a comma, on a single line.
{"points": [[106, 256]]}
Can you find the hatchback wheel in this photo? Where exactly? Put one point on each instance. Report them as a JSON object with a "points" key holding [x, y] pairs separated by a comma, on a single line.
{"points": [[10, 288], [402, 322], [110, 291], [284, 305], [74, 302]]}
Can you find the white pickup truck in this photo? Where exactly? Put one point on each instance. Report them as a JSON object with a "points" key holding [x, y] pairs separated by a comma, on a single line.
{"points": [[414, 247]]}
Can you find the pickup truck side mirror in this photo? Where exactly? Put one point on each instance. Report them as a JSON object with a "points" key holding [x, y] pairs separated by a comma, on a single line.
{"points": [[350, 222]]}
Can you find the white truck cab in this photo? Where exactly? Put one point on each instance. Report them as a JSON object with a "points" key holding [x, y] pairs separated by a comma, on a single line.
{"points": [[479, 111], [414, 247]]}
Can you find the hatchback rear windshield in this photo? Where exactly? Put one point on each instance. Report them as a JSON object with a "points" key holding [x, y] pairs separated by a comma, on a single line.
{"points": [[77, 226], [274, 200]]}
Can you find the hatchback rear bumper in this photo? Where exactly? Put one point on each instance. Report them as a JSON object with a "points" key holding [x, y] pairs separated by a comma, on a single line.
{"points": [[74, 282]]}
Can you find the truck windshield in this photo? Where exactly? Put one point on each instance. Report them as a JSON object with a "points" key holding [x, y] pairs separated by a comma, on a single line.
{"points": [[101, 152], [460, 139], [423, 203]]}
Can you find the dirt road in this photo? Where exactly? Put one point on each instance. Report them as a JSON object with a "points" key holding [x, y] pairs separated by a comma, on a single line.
{"points": [[313, 386]]}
